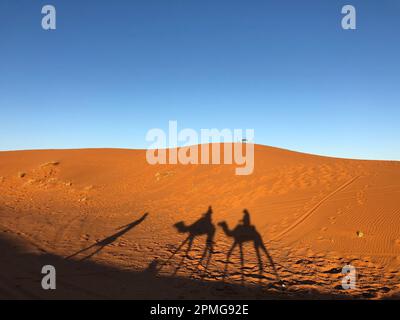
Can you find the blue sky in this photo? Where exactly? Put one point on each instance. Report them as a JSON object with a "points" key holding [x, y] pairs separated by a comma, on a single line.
{"points": [[115, 69]]}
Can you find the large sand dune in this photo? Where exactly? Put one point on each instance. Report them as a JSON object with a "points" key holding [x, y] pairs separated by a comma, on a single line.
{"points": [[315, 215]]}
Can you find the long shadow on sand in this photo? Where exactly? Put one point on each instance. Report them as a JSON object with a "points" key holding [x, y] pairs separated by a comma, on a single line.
{"points": [[109, 240], [20, 278], [246, 232], [202, 226]]}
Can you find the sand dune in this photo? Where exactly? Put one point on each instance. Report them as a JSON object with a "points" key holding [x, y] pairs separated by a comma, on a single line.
{"points": [[314, 214]]}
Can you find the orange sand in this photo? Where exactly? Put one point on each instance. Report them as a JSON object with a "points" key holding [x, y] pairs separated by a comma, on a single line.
{"points": [[315, 215]]}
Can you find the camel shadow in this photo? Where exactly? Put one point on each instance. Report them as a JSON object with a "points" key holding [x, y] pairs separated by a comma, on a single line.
{"points": [[202, 226], [109, 240], [242, 233]]}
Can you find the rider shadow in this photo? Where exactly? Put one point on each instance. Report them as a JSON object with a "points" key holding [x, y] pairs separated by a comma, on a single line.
{"points": [[109, 240], [202, 226], [242, 233]]}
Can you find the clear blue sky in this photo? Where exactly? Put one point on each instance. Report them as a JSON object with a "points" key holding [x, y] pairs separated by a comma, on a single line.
{"points": [[115, 69]]}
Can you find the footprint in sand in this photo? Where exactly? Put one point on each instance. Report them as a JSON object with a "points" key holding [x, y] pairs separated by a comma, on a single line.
{"points": [[360, 197], [85, 237]]}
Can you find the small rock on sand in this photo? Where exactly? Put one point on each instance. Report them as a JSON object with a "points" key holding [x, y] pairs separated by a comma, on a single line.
{"points": [[360, 234]]}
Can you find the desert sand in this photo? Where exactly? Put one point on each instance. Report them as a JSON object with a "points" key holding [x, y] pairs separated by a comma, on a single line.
{"points": [[105, 219]]}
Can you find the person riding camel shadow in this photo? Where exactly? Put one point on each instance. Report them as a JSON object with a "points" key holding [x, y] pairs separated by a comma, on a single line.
{"points": [[109, 240], [202, 226], [242, 233]]}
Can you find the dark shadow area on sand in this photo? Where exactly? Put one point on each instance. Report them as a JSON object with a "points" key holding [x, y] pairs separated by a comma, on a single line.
{"points": [[22, 262]]}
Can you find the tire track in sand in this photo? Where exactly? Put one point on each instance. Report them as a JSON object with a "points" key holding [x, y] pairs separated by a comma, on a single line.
{"points": [[313, 209]]}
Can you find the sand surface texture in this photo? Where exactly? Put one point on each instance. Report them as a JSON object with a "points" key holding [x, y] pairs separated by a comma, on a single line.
{"points": [[105, 219]]}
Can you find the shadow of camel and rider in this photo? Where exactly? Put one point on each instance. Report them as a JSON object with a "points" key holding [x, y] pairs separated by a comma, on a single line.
{"points": [[100, 245], [201, 227], [244, 232]]}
